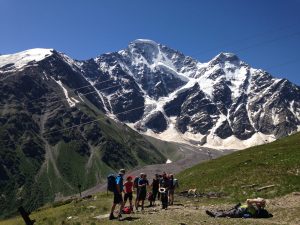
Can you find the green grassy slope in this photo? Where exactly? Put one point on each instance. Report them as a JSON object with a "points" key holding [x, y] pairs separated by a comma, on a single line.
{"points": [[277, 163], [168, 149], [85, 156]]}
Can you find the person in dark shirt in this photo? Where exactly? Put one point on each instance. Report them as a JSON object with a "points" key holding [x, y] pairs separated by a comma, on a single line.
{"points": [[254, 208], [164, 186], [158, 194], [118, 198], [142, 189], [136, 187], [155, 188]]}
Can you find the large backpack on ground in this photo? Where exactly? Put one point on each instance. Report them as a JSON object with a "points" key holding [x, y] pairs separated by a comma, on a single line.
{"points": [[263, 213], [111, 182], [126, 210]]}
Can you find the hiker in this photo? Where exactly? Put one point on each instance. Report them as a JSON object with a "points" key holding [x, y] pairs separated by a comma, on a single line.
{"points": [[155, 189], [142, 190], [253, 208], [158, 194], [136, 187], [164, 185], [118, 198], [128, 188], [173, 184]]}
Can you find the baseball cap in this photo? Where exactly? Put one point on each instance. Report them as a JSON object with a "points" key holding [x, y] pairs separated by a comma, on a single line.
{"points": [[122, 171]]}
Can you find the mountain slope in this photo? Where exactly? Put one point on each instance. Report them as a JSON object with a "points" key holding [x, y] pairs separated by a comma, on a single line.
{"points": [[150, 87], [276, 164], [224, 103], [41, 96], [158, 91]]}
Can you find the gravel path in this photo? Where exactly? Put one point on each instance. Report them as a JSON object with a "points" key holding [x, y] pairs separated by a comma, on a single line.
{"points": [[192, 156]]}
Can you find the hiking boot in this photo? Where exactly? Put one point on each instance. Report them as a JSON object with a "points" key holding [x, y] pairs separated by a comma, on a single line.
{"points": [[120, 217], [210, 213], [237, 206], [112, 217]]}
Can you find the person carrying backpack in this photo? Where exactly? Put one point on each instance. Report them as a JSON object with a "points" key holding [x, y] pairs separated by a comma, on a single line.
{"points": [[172, 186], [117, 190], [128, 191]]}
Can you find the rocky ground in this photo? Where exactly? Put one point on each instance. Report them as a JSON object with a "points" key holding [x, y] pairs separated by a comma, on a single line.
{"points": [[286, 210], [185, 211]]}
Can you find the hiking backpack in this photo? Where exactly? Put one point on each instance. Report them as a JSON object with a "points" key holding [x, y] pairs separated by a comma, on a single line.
{"points": [[111, 182], [175, 183]]}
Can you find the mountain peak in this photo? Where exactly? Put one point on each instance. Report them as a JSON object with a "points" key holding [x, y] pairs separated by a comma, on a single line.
{"points": [[21, 59], [225, 57], [144, 41], [144, 45]]}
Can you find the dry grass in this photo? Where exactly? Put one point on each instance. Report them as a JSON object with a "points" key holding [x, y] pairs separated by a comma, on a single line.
{"points": [[286, 210]]}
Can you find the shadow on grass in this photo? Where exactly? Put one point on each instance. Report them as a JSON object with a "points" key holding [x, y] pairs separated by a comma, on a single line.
{"points": [[129, 218]]}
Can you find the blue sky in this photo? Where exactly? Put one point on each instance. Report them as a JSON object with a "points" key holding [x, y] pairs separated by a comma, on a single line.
{"points": [[264, 33]]}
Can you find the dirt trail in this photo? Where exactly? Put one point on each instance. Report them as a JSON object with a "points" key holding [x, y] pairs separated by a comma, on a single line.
{"points": [[192, 211], [192, 156]]}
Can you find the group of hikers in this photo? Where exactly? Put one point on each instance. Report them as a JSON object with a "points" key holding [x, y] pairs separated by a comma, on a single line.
{"points": [[161, 188]]}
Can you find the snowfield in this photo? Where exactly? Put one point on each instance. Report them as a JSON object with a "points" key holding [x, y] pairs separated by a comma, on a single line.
{"points": [[22, 59]]}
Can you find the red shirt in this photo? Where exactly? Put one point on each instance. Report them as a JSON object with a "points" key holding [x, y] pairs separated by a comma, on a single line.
{"points": [[128, 186]]}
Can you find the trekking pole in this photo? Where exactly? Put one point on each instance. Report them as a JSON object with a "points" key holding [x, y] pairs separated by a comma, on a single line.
{"points": [[79, 189]]}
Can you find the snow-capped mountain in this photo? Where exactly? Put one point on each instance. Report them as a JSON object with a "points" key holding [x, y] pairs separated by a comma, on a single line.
{"points": [[53, 133], [223, 103]]}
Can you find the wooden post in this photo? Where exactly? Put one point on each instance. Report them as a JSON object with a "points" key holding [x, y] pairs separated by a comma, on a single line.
{"points": [[25, 216], [79, 189]]}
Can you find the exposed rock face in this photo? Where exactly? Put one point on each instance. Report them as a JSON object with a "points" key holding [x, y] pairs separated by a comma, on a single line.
{"points": [[224, 100], [157, 122], [54, 134], [154, 88], [223, 103]]}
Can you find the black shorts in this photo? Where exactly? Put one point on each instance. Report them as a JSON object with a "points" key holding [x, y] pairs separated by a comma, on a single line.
{"points": [[155, 192], [142, 195], [118, 198], [128, 196]]}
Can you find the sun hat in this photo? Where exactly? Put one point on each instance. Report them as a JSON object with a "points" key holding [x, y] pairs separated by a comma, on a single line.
{"points": [[122, 171]]}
